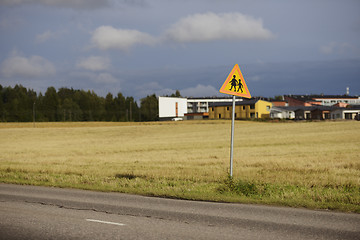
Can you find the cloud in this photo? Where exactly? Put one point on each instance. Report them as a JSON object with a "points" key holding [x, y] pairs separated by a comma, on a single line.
{"points": [[76, 4], [105, 78], [194, 28], [44, 36], [210, 27], [338, 48], [10, 22], [20, 66], [94, 63], [200, 90], [107, 37], [48, 35], [328, 48], [255, 78]]}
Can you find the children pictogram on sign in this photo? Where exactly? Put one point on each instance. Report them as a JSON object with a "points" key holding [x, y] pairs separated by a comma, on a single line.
{"points": [[240, 85], [235, 84]]}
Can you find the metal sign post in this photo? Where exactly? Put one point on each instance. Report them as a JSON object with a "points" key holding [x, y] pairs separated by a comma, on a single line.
{"points": [[232, 137]]}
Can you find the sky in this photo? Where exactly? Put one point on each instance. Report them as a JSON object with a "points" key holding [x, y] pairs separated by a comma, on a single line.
{"points": [[142, 47]]}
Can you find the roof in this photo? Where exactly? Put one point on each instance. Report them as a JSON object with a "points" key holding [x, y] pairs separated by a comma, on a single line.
{"points": [[335, 96], [324, 108], [286, 108], [195, 98], [353, 107], [240, 103], [307, 108], [312, 108], [318, 107], [314, 97]]}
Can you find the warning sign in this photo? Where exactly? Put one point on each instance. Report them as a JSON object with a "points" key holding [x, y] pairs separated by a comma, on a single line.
{"points": [[235, 84]]}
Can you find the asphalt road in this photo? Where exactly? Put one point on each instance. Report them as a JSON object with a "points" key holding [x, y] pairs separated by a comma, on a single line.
{"points": [[28, 212]]}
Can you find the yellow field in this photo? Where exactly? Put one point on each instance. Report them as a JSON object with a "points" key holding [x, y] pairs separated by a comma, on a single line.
{"points": [[310, 164]]}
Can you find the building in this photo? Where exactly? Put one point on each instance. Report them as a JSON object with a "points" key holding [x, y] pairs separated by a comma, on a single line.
{"points": [[332, 100], [346, 113], [172, 108], [200, 105], [282, 112], [245, 109], [324, 100], [313, 112], [316, 112], [279, 103], [175, 108], [321, 112]]}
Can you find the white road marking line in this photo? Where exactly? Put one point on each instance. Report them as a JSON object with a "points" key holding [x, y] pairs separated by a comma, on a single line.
{"points": [[99, 221]]}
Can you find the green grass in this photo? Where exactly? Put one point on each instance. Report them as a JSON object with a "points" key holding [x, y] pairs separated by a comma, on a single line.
{"points": [[310, 164]]}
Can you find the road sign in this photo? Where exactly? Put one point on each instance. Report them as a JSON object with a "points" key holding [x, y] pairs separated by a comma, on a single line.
{"points": [[235, 84]]}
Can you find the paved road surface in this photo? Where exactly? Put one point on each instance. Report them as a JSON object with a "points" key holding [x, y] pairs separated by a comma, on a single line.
{"points": [[28, 212]]}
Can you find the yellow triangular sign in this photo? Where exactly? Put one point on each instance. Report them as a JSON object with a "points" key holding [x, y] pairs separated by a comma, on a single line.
{"points": [[235, 84]]}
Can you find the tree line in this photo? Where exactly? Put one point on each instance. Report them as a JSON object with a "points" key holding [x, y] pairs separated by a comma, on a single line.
{"points": [[19, 104]]}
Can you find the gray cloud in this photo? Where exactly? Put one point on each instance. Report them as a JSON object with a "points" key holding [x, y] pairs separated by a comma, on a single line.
{"points": [[94, 63], [195, 28], [76, 4], [20, 66], [200, 90], [48, 35], [211, 26], [108, 37]]}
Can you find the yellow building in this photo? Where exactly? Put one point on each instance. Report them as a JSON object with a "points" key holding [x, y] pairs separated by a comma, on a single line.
{"points": [[245, 109]]}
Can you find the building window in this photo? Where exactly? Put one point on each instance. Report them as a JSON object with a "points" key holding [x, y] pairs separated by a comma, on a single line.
{"points": [[267, 108], [252, 106], [212, 109], [228, 108], [219, 115], [348, 116], [252, 115], [243, 107]]}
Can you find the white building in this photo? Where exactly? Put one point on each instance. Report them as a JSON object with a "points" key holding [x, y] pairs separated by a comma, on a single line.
{"points": [[187, 108], [332, 100], [346, 113], [283, 112], [172, 108], [201, 105]]}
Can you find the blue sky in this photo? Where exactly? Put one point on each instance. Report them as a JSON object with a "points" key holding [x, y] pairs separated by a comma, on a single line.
{"points": [[141, 47]]}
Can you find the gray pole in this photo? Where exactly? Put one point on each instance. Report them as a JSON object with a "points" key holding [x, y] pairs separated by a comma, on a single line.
{"points": [[232, 137]]}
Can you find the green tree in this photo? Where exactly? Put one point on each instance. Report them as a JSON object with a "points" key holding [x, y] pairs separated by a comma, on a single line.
{"points": [[71, 110], [2, 107], [132, 110], [149, 108], [16, 104], [279, 98], [109, 107], [176, 94], [120, 108], [50, 104]]}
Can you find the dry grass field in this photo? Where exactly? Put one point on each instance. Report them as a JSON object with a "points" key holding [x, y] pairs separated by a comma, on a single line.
{"points": [[300, 164]]}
